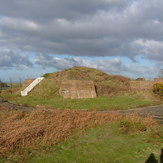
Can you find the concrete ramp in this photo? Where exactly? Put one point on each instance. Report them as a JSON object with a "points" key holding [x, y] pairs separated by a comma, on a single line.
{"points": [[31, 86], [76, 89]]}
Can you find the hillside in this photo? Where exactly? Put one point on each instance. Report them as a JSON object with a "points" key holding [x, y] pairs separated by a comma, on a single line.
{"points": [[113, 92], [105, 84]]}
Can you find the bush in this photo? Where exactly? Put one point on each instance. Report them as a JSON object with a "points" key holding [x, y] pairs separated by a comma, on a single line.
{"points": [[158, 89], [47, 75], [127, 126], [140, 79]]}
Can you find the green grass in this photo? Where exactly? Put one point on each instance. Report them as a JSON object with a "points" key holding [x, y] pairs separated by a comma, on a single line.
{"points": [[99, 103], [123, 141], [102, 145]]}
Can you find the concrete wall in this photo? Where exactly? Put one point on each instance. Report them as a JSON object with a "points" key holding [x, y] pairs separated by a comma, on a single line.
{"points": [[144, 85], [141, 85], [76, 89]]}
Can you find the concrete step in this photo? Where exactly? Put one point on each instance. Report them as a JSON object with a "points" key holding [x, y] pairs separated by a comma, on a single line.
{"points": [[31, 86]]}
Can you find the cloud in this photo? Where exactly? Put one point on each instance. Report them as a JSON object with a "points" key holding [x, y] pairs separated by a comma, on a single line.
{"points": [[10, 59], [43, 11], [113, 66], [82, 28], [150, 48]]}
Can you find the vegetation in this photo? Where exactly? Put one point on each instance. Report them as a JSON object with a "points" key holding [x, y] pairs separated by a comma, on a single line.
{"points": [[3, 85], [75, 136], [103, 144], [47, 75], [158, 89], [140, 79], [55, 135], [99, 103]]}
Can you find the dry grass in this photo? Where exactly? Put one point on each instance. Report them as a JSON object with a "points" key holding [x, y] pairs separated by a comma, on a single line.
{"points": [[22, 129]]}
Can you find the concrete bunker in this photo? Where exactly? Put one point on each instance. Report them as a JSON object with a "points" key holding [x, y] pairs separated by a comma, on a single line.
{"points": [[76, 89]]}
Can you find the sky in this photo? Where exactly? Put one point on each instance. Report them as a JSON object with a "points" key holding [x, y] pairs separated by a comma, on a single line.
{"points": [[123, 37]]}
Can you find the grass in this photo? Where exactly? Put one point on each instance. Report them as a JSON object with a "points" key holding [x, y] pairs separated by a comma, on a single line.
{"points": [[102, 144], [73, 136], [99, 103]]}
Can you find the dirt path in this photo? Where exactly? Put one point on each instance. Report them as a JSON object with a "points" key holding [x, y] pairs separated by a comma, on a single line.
{"points": [[4, 103], [155, 111]]}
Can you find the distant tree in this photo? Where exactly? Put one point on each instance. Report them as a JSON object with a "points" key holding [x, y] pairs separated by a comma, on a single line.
{"points": [[3, 85]]}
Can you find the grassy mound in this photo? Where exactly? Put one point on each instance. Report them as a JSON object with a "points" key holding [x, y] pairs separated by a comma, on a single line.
{"points": [[113, 92], [105, 84]]}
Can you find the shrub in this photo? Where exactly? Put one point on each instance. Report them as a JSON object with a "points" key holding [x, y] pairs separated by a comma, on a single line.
{"points": [[158, 89], [127, 126], [47, 75], [140, 79]]}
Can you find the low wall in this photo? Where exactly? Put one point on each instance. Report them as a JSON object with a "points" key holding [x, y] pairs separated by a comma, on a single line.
{"points": [[141, 85], [76, 89], [144, 85]]}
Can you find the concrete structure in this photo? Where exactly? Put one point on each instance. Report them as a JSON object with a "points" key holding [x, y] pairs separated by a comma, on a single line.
{"points": [[141, 85], [144, 85], [76, 89], [31, 86]]}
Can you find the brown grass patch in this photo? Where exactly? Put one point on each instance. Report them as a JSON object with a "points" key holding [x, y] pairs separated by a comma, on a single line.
{"points": [[21, 129]]}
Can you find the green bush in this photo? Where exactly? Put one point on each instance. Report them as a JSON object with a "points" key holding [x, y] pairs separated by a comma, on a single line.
{"points": [[126, 126], [158, 89], [47, 75]]}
